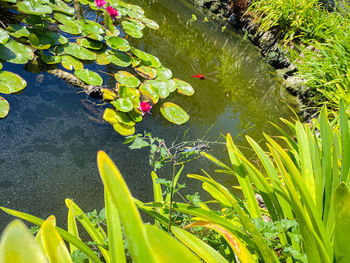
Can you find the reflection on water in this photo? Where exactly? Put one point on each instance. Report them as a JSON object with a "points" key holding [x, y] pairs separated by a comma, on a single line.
{"points": [[50, 139]]}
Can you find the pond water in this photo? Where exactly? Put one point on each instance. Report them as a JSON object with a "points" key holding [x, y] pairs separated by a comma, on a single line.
{"points": [[49, 141]]}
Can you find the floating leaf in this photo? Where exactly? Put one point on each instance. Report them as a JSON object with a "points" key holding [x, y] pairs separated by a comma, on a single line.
{"points": [[17, 30], [117, 43], [70, 27], [70, 62], [150, 92], [146, 72], [170, 85], [87, 43], [123, 129], [154, 61], [174, 113], [15, 52], [108, 94], [183, 87], [95, 37], [136, 117], [160, 86], [4, 36], [35, 42], [89, 77], [133, 29], [62, 18], [120, 59], [135, 61], [33, 7], [80, 52], [102, 58], [45, 38], [34, 20], [62, 7], [11, 82], [123, 104], [50, 59], [127, 79], [91, 27], [141, 55], [164, 73], [114, 117], [4, 107], [150, 23]]}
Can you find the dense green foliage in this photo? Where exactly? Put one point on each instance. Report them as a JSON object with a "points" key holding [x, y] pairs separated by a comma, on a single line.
{"points": [[318, 37], [72, 42]]}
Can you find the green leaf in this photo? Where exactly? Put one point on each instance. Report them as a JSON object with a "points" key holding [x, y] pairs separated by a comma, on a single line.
{"points": [[127, 79], [89, 77], [15, 52], [87, 43], [164, 73], [141, 55], [70, 62], [123, 104], [150, 92], [77, 51], [154, 61], [117, 43], [33, 7], [120, 59], [130, 218], [150, 23], [72, 225], [132, 29], [4, 107], [47, 38], [146, 72], [18, 244], [70, 27], [91, 27], [17, 30], [136, 117], [62, 7], [174, 113], [345, 142], [162, 88], [4, 36], [11, 82], [50, 59], [123, 129], [114, 117], [183, 87], [102, 58]]}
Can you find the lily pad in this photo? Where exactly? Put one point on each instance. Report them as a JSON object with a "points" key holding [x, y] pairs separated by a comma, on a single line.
{"points": [[164, 73], [35, 42], [117, 43], [174, 113], [120, 59], [108, 94], [170, 85], [80, 52], [150, 92], [183, 87], [4, 36], [135, 61], [17, 30], [123, 104], [102, 58], [33, 7], [4, 107], [141, 55], [150, 23], [62, 7], [132, 29], [96, 37], [91, 44], [146, 72], [127, 79], [123, 129], [136, 117], [91, 27], [50, 59], [15, 52], [70, 27], [46, 37], [154, 61], [89, 77], [113, 117], [11, 82], [62, 18], [70, 62], [160, 86]]}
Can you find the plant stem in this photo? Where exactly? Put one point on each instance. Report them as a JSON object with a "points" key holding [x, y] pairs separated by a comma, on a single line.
{"points": [[171, 198]]}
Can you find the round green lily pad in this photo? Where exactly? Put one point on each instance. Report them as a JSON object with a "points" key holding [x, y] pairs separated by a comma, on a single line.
{"points": [[132, 29], [127, 79], [50, 59], [102, 58], [123, 104], [120, 59], [70, 27], [4, 36], [164, 73], [11, 82], [150, 23], [114, 117], [15, 52], [89, 77], [146, 72], [183, 87], [160, 86], [174, 113], [117, 43], [141, 55], [91, 44], [33, 7], [4, 107], [62, 7], [136, 117], [91, 27], [150, 92], [80, 52], [17, 30], [123, 129], [70, 62]]}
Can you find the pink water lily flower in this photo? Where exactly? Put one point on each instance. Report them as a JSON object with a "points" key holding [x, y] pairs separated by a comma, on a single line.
{"points": [[112, 12], [100, 3], [145, 107]]}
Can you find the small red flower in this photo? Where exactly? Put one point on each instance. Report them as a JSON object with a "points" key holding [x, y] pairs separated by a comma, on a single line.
{"points": [[100, 3], [145, 107], [199, 76], [112, 12]]}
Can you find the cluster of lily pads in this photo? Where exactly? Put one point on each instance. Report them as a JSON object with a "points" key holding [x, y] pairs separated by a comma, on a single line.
{"points": [[53, 34]]}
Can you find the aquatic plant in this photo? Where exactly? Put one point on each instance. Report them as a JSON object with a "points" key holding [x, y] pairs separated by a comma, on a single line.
{"points": [[74, 40]]}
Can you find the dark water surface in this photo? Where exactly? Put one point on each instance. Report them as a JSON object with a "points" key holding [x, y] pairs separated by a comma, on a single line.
{"points": [[49, 141]]}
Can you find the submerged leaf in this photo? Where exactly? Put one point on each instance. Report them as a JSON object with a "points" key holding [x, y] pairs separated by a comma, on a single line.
{"points": [[174, 113]]}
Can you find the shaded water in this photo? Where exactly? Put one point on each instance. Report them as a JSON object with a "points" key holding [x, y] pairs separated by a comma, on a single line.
{"points": [[49, 141]]}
